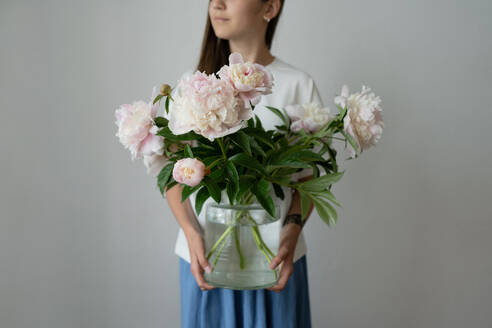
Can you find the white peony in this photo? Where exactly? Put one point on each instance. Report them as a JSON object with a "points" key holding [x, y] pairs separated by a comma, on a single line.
{"points": [[363, 120], [309, 116]]}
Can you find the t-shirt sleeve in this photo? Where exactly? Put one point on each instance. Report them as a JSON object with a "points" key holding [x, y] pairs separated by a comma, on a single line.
{"points": [[311, 94]]}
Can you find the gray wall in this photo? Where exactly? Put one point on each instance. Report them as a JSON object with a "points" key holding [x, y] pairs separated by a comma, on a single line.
{"points": [[87, 241]]}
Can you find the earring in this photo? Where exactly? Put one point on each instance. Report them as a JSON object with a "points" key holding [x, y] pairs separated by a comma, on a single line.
{"points": [[267, 19]]}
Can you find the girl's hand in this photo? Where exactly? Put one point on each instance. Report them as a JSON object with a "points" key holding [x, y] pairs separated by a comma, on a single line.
{"points": [[198, 259], [288, 241]]}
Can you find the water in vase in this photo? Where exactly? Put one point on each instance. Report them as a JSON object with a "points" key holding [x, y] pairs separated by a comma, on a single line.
{"points": [[245, 232]]}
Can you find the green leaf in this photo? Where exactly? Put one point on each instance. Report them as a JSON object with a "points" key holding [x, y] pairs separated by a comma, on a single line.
{"points": [[287, 163], [342, 113], [187, 150], [171, 184], [289, 151], [161, 121], [306, 155], [245, 184], [305, 204], [321, 183], [206, 147], [167, 105], [328, 195], [233, 175], [213, 189], [315, 171], [262, 192], [163, 177], [279, 114], [287, 117], [294, 158], [166, 133], [333, 158], [241, 139], [258, 123], [230, 193], [281, 127], [187, 191], [210, 159], [325, 211], [279, 192], [201, 196], [216, 174], [264, 140], [248, 162], [157, 99], [350, 139], [282, 173], [256, 146]]}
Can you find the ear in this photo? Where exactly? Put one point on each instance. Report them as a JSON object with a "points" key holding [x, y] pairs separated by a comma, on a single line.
{"points": [[272, 9]]}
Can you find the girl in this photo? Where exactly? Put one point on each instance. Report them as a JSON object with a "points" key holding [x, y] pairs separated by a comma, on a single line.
{"points": [[247, 27]]}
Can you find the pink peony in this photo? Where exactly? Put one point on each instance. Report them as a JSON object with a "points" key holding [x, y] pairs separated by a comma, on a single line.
{"points": [[206, 105], [136, 128], [363, 120], [251, 80], [189, 171], [310, 116]]}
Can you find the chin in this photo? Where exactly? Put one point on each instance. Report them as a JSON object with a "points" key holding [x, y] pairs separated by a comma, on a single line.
{"points": [[221, 34]]}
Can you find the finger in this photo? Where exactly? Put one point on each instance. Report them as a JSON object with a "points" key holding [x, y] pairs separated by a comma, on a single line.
{"points": [[197, 272], [281, 255], [201, 282], [286, 271], [202, 260], [205, 266]]}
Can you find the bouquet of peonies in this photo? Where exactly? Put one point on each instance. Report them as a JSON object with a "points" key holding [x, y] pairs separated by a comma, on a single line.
{"points": [[213, 142]]}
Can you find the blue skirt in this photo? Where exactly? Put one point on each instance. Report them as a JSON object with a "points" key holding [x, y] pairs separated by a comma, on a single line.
{"points": [[260, 308]]}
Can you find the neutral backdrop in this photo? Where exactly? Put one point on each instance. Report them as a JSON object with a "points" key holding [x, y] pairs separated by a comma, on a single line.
{"points": [[86, 239]]}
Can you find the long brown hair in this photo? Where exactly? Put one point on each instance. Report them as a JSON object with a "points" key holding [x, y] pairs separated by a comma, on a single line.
{"points": [[215, 52]]}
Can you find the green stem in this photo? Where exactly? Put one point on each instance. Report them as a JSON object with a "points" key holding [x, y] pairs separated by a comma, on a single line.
{"points": [[214, 163], [221, 145], [257, 232], [218, 253], [261, 243], [260, 246], [263, 248], [217, 243], [227, 232], [238, 247], [256, 235]]}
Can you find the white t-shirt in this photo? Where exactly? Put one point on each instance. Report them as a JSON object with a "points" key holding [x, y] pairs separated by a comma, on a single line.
{"points": [[290, 86]]}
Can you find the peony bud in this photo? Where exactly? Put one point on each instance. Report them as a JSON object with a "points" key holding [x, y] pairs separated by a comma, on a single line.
{"points": [[165, 89], [189, 171]]}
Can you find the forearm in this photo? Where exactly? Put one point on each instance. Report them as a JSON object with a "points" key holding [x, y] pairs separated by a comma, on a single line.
{"points": [[183, 211]]}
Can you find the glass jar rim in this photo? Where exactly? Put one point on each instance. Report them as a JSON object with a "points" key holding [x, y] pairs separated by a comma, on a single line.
{"points": [[253, 206]]}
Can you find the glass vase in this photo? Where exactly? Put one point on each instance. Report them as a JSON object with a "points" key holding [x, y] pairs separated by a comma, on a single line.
{"points": [[240, 241]]}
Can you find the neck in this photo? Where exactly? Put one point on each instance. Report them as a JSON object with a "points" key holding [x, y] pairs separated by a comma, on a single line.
{"points": [[253, 50]]}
